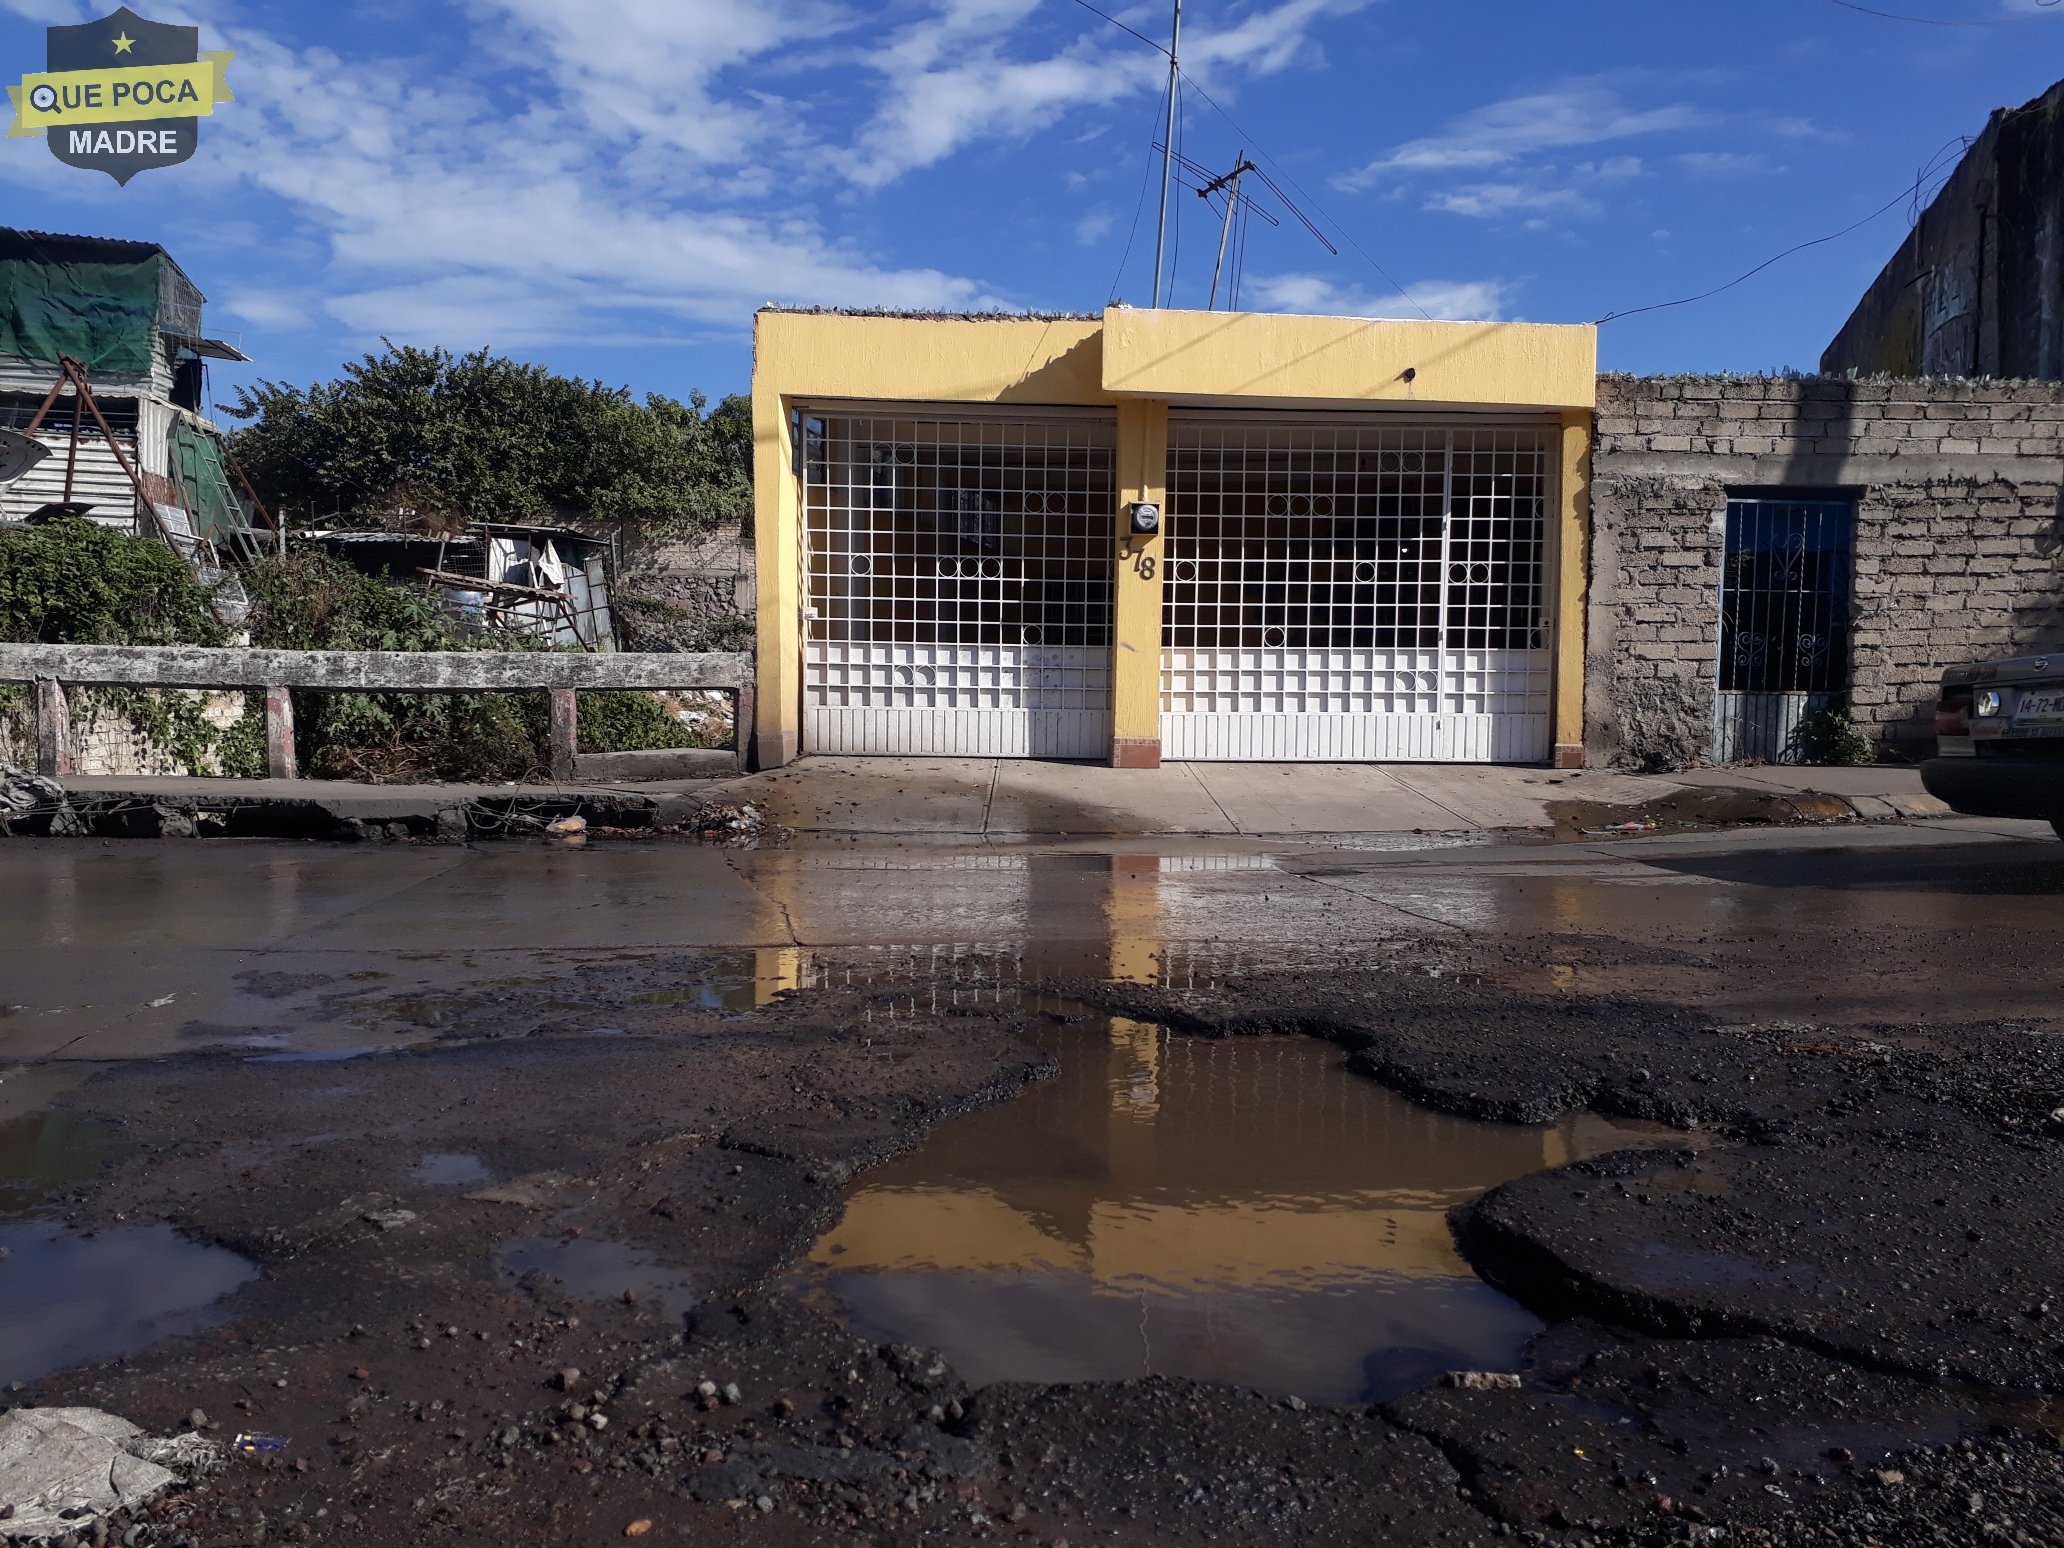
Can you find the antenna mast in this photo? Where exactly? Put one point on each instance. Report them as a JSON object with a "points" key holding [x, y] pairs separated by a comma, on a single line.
{"points": [[1167, 148], [1230, 183]]}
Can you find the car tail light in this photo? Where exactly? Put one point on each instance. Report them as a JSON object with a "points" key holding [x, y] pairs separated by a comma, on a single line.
{"points": [[1953, 711]]}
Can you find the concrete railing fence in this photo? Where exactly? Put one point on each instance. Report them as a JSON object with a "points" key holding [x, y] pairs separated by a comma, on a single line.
{"points": [[277, 672]]}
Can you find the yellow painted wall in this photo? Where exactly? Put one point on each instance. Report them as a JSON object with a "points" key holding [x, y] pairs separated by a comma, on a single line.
{"points": [[1136, 617], [1138, 362], [1228, 356]]}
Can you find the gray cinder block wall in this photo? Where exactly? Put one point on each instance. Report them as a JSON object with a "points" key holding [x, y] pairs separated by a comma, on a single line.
{"points": [[1959, 539]]}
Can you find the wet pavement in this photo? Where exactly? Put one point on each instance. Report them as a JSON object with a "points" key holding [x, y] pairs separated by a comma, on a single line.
{"points": [[1244, 1211], [483, 1114], [120, 950], [68, 1297]]}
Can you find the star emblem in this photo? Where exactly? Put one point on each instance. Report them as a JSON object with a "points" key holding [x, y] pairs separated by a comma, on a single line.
{"points": [[124, 43]]}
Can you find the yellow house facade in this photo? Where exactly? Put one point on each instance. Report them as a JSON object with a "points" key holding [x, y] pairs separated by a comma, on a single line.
{"points": [[1158, 534]]}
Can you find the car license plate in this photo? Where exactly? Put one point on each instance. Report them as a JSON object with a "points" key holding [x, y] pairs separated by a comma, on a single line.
{"points": [[2040, 707]]}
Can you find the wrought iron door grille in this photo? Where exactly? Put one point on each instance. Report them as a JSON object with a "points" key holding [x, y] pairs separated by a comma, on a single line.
{"points": [[1784, 596], [959, 571], [1350, 589], [1343, 537], [959, 532], [1785, 600]]}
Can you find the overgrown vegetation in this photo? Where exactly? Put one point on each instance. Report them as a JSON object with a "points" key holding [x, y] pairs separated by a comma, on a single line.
{"points": [[311, 601], [1826, 736], [632, 721], [73, 582], [432, 439]]}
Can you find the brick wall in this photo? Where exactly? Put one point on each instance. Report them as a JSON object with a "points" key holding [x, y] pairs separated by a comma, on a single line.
{"points": [[1959, 538]]}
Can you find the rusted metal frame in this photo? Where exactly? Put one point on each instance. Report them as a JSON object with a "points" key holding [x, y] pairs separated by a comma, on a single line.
{"points": [[536, 593]]}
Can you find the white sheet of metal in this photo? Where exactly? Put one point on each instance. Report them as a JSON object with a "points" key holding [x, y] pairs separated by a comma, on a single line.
{"points": [[957, 701]]}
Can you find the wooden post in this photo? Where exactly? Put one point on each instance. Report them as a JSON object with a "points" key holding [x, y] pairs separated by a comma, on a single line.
{"points": [[53, 729], [280, 762], [565, 731], [744, 718]]}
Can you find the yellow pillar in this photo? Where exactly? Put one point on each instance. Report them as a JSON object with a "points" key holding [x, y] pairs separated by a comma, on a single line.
{"points": [[777, 545], [1572, 572], [1136, 617]]}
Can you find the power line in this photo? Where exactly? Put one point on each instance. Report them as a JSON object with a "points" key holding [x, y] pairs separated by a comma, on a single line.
{"points": [[1158, 48], [1936, 21], [1897, 199]]}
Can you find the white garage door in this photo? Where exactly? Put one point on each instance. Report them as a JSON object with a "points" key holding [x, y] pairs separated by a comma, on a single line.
{"points": [[958, 583], [1349, 590]]}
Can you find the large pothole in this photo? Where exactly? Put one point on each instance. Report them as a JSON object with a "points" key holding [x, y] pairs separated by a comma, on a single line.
{"points": [[1242, 1210]]}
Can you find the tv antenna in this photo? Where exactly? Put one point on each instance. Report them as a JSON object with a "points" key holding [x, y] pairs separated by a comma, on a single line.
{"points": [[1168, 147], [1210, 186]]}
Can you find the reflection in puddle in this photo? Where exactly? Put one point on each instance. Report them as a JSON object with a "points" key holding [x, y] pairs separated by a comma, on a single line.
{"points": [[45, 1151], [67, 1298], [600, 1271], [1242, 1210], [451, 1170]]}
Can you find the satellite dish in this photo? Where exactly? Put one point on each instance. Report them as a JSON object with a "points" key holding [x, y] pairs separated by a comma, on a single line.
{"points": [[18, 454]]}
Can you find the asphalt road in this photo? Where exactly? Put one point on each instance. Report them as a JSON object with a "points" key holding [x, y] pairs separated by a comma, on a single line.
{"points": [[113, 950]]}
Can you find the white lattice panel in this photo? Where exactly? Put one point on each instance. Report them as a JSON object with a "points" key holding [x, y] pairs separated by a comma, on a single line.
{"points": [[957, 701], [959, 576], [1355, 591]]}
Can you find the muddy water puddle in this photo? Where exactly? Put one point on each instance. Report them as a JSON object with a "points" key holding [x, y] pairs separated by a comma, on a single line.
{"points": [[1242, 1210], [68, 1297]]}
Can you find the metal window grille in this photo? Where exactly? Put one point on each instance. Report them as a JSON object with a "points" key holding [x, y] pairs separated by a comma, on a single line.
{"points": [[1785, 598], [1395, 573], [959, 582]]}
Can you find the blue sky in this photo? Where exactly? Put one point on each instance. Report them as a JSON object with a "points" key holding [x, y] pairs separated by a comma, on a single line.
{"points": [[611, 186]]}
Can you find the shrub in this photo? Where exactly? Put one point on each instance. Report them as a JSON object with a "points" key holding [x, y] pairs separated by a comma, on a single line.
{"points": [[311, 601]]}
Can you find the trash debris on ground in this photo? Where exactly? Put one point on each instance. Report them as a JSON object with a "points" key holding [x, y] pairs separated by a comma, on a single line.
{"points": [[35, 803], [249, 1445], [1624, 827], [573, 824], [62, 1467], [1483, 1381], [728, 820]]}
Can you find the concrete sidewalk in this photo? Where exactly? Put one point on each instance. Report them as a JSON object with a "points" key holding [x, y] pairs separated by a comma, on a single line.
{"points": [[1007, 798]]}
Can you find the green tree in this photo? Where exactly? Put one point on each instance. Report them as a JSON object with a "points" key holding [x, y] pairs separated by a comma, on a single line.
{"points": [[479, 437]]}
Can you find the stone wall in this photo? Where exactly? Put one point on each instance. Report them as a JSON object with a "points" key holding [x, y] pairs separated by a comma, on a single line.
{"points": [[104, 742], [1959, 539], [696, 594]]}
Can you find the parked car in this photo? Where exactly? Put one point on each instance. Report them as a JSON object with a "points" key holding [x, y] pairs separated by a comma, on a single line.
{"points": [[1999, 740]]}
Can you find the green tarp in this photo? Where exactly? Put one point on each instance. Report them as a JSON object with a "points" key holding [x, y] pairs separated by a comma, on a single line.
{"points": [[202, 479], [102, 314]]}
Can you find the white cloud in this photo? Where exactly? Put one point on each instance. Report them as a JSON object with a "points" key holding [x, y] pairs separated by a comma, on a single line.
{"points": [[261, 308], [646, 69], [1725, 163], [1490, 200], [1499, 134], [553, 236], [953, 77], [1094, 227], [1445, 300]]}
